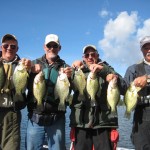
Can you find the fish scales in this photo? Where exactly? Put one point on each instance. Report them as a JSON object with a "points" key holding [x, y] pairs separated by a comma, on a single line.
{"points": [[39, 88], [130, 99], [113, 96], [92, 87], [61, 90], [79, 83], [20, 77]]}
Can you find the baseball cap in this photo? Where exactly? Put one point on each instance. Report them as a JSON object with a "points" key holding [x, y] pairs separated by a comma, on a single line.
{"points": [[89, 46], [144, 41], [8, 36], [52, 38]]}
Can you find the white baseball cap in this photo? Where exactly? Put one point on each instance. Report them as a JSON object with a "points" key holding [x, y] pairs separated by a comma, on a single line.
{"points": [[144, 41], [89, 46], [52, 38]]}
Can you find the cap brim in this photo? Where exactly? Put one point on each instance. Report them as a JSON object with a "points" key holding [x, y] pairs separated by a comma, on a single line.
{"points": [[8, 36], [89, 46]]}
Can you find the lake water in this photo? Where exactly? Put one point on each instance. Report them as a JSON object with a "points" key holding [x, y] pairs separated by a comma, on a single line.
{"points": [[124, 129]]}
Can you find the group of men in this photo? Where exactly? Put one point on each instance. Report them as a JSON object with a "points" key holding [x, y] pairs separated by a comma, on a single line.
{"points": [[91, 123]]}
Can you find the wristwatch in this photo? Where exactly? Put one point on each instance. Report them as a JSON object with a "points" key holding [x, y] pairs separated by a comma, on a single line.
{"points": [[148, 78]]}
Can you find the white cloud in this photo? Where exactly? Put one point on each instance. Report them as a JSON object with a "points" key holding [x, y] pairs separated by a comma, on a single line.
{"points": [[103, 13], [144, 30], [120, 45]]}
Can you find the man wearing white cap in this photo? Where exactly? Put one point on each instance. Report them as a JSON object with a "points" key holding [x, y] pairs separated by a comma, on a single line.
{"points": [[91, 122], [140, 74], [10, 106], [48, 119]]}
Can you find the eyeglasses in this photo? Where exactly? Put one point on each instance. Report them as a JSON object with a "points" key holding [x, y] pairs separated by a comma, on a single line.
{"points": [[90, 54], [52, 46], [12, 46]]}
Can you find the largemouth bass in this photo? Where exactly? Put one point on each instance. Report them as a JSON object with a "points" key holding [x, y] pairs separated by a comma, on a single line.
{"points": [[79, 83], [130, 99], [92, 87], [113, 96], [61, 90], [39, 88]]}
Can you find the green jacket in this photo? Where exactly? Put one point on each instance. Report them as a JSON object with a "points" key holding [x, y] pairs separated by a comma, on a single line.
{"points": [[50, 104], [81, 111]]}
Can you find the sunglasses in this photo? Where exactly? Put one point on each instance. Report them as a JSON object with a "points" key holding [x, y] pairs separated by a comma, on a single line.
{"points": [[52, 46], [12, 46], [90, 54]]}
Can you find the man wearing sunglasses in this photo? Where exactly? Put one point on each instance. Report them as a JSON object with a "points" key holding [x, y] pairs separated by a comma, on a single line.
{"points": [[47, 120], [93, 134], [10, 115]]}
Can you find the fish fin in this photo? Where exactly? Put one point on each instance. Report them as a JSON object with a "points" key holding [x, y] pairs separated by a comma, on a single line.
{"points": [[69, 99]]}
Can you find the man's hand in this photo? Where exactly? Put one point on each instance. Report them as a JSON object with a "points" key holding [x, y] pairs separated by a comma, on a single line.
{"points": [[95, 67], [77, 64], [36, 68], [140, 81], [109, 77], [27, 63], [67, 71]]}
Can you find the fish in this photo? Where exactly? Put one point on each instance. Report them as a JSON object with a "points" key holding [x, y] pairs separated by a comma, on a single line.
{"points": [[62, 90], [2, 76], [20, 77], [92, 87], [79, 83], [130, 99], [39, 88], [113, 96], [8, 76]]}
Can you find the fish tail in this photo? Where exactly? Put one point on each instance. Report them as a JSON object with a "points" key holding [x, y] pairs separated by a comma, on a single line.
{"points": [[127, 115], [18, 97], [61, 107], [39, 108], [81, 97], [93, 103], [113, 114]]}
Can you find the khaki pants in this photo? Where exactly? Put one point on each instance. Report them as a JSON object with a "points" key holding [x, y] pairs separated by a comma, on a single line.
{"points": [[9, 129]]}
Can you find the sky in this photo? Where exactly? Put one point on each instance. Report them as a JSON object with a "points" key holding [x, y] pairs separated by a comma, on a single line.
{"points": [[115, 27]]}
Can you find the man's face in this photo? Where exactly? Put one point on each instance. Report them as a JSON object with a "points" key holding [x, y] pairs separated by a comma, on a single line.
{"points": [[146, 52], [90, 56], [9, 49], [51, 50]]}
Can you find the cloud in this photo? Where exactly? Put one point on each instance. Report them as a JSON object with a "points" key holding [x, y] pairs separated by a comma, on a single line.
{"points": [[103, 13], [120, 45], [144, 30]]}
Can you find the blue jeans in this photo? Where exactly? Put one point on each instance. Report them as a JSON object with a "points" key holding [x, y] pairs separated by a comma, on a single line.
{"points": [[23, 128], [55, 135]]}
